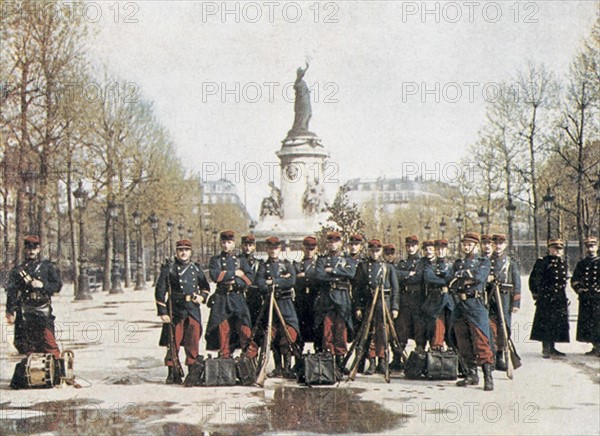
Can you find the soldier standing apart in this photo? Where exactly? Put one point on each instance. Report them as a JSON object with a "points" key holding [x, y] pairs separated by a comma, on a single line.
{"points": [[254, 298], [279, 276], [439, 304], [586, 282], [470, 319], [228, 309], [306, 292], [333, 306], [189, 288], [547, 283], [409, 324], [507, 276], [29, 301], [372, 274]]}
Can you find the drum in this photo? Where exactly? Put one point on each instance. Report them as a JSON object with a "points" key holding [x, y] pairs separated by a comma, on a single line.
{"points": [[39, 370]]}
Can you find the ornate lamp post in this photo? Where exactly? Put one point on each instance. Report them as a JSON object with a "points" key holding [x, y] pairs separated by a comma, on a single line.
{"points": [[206, 243], [400, 248], [481, 217], [170, 225], [83, 284], [30, 179], [427, 231], [548, 200], [252, 225], [510, 210], [388, 234], [115, 275], [139, 276], [181, 228], [459, 225], [190, 233], [154, 226], [214, 235], [443, 227]]}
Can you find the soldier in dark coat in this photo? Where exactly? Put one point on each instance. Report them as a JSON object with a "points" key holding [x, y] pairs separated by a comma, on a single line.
{"points": [[355, 248], [30, 288], [372, 274], [409, 324], [306, 292], [586, 283], [389, 254], [439, 304], [189, 288], [470, 318], [506, 275], [333, 306], [228, 308], [547, 283], [486, 245], [254, 298], [279, 276]]}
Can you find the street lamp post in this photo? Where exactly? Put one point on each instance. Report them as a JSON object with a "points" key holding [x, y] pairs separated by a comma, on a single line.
{"points": [[548, 200], [510, 210], [116, 288], [597, 191], [459, 225], [443, 227], [214, 235], [181, 228], [139, 276], [206, 243], [388, 234], [427, 231], [154, 226], [399, 227], [83, 284], [30, 178], [482, 216], [170, 225]]}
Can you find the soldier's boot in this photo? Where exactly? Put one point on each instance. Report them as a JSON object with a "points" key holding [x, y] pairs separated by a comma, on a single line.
{"points": [[500, 363], [488, 381], [471, 377], [546, 350], [288, 372], [371, 369], [554, 351], [339, 361], [396, 364], [381, 364], [278, 371], [170, 376]]}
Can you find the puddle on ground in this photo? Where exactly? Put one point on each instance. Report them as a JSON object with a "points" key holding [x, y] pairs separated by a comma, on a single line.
{"points": [[284, 409], [295, 409], [82, 417]]}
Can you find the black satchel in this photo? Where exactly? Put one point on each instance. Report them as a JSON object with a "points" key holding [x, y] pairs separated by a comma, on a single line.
{"points": [[246, 370], [442, 365], [415, 365], [219, 372], [318, 369]]}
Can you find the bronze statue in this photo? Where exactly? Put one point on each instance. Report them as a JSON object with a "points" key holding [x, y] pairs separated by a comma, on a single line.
{"points": [[302, 108]]}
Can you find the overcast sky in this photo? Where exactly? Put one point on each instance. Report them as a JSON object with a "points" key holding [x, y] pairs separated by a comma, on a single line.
{"points": [[394, 83]]}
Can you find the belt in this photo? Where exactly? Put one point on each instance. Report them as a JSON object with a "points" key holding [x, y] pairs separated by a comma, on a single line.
{"points": [[465, 296], [231, 288], [181, 298], [385, 291], [342, 286]]}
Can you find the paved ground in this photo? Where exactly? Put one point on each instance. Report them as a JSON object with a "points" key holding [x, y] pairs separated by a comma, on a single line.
{"points": [[119, 365]]}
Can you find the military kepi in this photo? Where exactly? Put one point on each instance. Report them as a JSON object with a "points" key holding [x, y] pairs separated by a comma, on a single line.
{"points": [[227, 235], [31, 241], [471, 237], [273, 241], [183, 243], [556, 243]]}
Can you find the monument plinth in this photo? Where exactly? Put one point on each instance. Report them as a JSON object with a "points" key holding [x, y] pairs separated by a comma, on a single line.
{"points": [[297, 208]]}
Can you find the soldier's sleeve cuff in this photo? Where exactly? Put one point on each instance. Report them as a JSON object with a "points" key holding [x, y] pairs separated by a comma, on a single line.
{"points": [[246, 280], [221, 276]]}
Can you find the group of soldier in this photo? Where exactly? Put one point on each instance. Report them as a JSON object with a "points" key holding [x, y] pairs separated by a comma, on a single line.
{"points": [[459, 304]]}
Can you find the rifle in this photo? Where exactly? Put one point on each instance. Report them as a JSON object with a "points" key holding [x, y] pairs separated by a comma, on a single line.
{"points": [[386, 355], [291, 344], [360, 348], [262, 373], [513, 361], [172, 349]]}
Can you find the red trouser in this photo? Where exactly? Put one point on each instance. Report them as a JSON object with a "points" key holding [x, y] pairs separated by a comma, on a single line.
{"points": [[439, 331], [41, 341], [409, 325], [243, 332], [280, 342], [472, 344], [335, 334], [188, 331], [497, 334]]}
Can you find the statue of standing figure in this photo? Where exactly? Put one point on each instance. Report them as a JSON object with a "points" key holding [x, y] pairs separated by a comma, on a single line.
{"points": [[302, 107]]}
